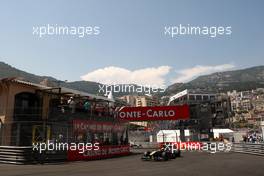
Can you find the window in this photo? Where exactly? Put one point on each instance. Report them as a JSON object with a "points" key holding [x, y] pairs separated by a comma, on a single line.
{"points": [[212, 97], [191, 97], [205, 97], [198, 97]]}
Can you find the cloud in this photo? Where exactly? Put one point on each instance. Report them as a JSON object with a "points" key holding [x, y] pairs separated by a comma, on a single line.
{"points": [[191, 73], [116, 75]]}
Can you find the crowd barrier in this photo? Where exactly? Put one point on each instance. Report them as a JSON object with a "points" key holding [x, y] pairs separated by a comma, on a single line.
{"points": [[249, 148]]}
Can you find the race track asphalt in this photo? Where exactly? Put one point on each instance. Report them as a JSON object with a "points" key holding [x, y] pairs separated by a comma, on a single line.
{"points": [[190, 164]]}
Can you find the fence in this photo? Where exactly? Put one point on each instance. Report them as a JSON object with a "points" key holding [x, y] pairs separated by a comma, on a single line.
{"points": [[249, 148]]}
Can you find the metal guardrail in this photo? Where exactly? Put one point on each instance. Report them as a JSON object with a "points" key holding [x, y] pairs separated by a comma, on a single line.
{"points": [[15, 155], [248, 148], [145, 145], [25, 155]]}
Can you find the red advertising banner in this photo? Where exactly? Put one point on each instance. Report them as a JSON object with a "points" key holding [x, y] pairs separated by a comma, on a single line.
{"points": [[103, 152], [181, 112], [94, 126]]}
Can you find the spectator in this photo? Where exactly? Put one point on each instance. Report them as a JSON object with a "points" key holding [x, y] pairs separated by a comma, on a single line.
{"points": [[87, 106], [244, 138], [72, 104]]}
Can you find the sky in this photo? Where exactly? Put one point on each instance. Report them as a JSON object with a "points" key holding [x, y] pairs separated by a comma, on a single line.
{"points": [[132, 46]]}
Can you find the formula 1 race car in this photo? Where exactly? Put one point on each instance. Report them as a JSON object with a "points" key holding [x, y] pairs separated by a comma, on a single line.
{"points": [[163, 154]]}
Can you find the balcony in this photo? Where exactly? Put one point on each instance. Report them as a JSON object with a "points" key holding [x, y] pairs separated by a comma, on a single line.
{"points": [[65, 113]]}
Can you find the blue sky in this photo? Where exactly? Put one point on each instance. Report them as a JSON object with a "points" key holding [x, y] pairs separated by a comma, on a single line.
{"points": [[131, 41]]}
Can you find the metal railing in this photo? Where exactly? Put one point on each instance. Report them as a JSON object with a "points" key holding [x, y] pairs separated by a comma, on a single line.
{"points": [[26, 155], [16, 155], [249, 148]]}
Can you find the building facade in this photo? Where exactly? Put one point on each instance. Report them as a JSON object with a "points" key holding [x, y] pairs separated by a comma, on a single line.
{"points": [[32, 112], [208, 110]]}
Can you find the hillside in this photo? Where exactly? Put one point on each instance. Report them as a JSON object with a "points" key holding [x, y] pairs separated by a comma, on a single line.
{"points": [[245, 79], [85, 86], [9, 71]]}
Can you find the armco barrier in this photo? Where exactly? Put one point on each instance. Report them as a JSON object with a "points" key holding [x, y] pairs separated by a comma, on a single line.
{"points": [[16, 155], [146, 145], [248, 148], [25, 155]]}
